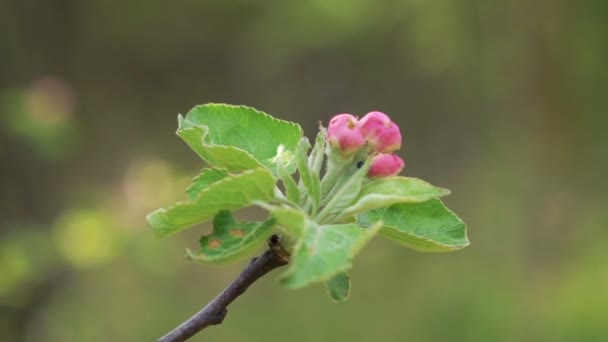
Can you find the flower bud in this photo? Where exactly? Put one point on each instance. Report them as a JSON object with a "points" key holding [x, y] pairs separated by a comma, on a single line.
{"points": [[344, 134], [385, 165], [383, 134]]}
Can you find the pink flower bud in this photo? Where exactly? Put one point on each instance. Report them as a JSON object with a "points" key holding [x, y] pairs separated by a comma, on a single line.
{"points": [[383, 134], [344, 134], [385, 165]]}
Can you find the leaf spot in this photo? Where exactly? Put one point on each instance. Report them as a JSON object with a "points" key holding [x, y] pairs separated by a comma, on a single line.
{"points": [[237, 232], [215, 243]]}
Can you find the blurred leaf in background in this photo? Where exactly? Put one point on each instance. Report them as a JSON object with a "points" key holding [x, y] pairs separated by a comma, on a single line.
{"points": [[42, 115]]}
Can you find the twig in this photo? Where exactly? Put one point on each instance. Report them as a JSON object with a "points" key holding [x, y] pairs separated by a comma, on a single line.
{"points": [[215, 312]]}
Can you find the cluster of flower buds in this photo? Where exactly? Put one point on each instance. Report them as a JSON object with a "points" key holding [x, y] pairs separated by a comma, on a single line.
{"points": [[348, 135]]}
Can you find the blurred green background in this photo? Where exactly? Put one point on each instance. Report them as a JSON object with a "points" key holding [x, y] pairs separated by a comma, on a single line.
{"points": [[502, 102]]}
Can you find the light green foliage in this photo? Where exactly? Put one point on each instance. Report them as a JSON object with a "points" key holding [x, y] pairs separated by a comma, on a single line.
{"points": [[292, 220], [309, 179], [315, 160], [232, 192], [428, 226], [324, 250], [384, 192], [244, 128], [231, 239], [229, 157], [345, 195], [329, 209], [202, 181], [291, 187], [338, 287]]}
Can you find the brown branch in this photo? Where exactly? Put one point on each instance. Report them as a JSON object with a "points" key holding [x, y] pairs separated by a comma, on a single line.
{"points": [[215, 312]]}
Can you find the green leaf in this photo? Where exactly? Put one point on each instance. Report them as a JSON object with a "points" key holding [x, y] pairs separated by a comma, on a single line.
{"points": [[309, 179], [347, 192], [428, 226], [293, 193], [232, 192], [315, 159], [284, 159], [338, 170], [231, 239], [244, 128], [338, 287], [232, 158], [386, 191], [203, 180], [323, 251], [293, 220]]}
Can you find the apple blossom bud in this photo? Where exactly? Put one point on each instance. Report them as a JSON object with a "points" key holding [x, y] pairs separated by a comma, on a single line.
{"points": [[385, 165], [344, 134], [383, 134]]}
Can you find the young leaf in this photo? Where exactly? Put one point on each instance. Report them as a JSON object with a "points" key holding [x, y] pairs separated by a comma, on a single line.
{"points": [[285, 160], [293, 193], [338, 287], [428, 226], [386, 191], [339, 169], [231, 240], [309, 179], [343, 197], [232, 192], [203, 180], [315, 159], [232, 158], [323, 251], [245, 128], [293, 220]]}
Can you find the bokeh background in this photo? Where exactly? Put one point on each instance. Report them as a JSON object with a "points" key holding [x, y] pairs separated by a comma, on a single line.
{"points": [[502, 102]]}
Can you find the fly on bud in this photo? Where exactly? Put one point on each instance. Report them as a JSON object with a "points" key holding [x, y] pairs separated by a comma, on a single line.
{"points": [[382, 133], [385, 165], [344, 134]]}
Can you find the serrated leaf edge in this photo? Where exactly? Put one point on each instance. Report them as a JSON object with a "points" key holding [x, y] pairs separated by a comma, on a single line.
{"points": [[212, 186], [373, 230], [451, 248], [354, 209], [206, 144], [203, 172], [257, 111]]}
